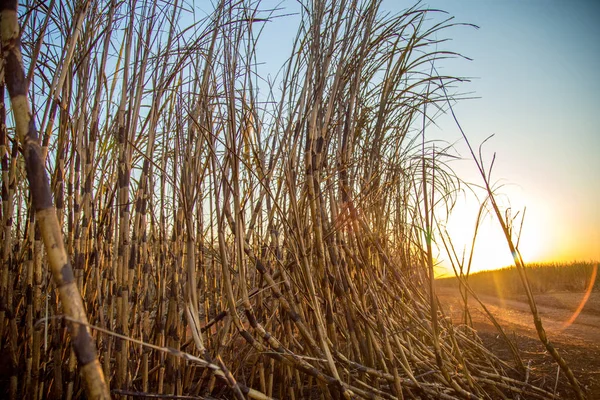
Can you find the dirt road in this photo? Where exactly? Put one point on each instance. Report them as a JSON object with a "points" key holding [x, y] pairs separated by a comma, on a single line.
{"points": [[578, 342]]}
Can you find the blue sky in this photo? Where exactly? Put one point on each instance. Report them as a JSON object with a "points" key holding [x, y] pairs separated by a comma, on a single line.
{"points": [[534, 71]]}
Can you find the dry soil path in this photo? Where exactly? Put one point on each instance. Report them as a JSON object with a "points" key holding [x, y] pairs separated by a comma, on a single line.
{"points": [[578, 342]]}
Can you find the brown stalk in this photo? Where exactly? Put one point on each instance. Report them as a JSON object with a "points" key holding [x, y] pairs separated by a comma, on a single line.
{"points": [[62, 272]]}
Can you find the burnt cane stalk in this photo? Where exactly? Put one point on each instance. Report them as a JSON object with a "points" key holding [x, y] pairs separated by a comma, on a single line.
{"points": [[62, 272]]}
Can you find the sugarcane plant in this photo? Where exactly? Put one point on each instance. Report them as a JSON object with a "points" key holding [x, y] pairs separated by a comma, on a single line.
{"points": [[44, 212], [231, 235]]}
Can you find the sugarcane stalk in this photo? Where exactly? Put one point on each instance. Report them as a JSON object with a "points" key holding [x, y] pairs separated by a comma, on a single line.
{"points": [[62, 272]]}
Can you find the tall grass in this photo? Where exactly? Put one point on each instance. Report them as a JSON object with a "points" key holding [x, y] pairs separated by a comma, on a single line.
{"points": [[543, 278], [246, 248]]}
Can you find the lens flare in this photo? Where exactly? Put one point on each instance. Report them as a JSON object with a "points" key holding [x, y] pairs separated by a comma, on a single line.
{"points": [[584, 300]]}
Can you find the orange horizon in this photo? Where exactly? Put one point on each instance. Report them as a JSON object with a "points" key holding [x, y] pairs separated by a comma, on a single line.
{"points": [[444, 272]]}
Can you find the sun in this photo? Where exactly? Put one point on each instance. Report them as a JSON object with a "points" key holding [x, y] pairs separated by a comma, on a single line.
{"points": [[491, 250]]}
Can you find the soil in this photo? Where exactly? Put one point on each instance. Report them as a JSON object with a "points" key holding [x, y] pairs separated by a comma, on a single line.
{"points": [[578, 342]]}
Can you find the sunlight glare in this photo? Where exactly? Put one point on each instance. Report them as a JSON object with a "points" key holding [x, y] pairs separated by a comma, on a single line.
{"points": [[491, 250], [584, 300]]}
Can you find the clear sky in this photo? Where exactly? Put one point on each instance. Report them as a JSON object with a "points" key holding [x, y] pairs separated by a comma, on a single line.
{"points": [[535, 70]]}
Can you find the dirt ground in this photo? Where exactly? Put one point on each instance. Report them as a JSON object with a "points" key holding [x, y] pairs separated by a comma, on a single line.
{"points": [[578, 342]]}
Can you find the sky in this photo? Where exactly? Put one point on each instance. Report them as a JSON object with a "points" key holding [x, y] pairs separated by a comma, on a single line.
{"points": [[534, 75], [535, 69]]}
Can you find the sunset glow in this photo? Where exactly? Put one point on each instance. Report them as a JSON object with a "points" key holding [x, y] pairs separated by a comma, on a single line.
{"points": [[545, 237], [544, 145]]}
